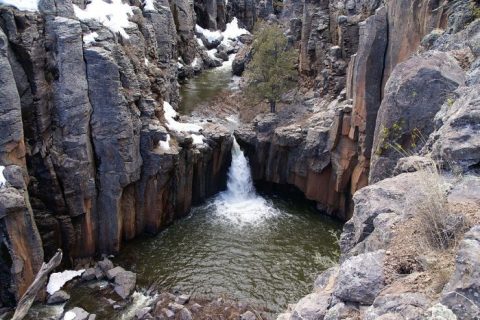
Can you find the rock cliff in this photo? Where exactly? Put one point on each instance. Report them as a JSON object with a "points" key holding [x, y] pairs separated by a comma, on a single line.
{"points": [[89, 159], [348, 52], [409, 114]]}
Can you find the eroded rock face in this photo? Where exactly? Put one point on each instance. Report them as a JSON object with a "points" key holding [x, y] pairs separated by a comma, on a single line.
{"points": [[82, 116], [414, 94]]}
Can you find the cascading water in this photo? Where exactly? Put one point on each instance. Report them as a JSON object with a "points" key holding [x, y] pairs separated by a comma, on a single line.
{"points": [[240, 203]]}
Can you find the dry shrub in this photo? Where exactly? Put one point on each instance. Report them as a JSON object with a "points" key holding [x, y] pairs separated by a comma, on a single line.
{"points": [[438, 225]]}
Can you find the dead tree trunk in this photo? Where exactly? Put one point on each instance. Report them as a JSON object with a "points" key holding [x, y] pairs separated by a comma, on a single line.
{"points": [[39, 283]]}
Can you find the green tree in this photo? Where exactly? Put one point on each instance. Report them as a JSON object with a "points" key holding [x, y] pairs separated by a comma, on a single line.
{"points": [[273, 69]]}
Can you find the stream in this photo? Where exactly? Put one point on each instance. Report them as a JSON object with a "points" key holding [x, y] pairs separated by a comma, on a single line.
{"points": [[258, 248]]}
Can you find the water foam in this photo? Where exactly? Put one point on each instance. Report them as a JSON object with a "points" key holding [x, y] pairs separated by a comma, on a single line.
{"points": [[240, 204]]}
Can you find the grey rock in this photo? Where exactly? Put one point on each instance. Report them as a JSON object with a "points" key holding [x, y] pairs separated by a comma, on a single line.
{"points": [[58, 297], [249, 315], [414, 94], [440, 312], [182, 299], [168, 313], [457, 140], [405, 306], [89, 274], [142, 313], [105, 265], [361, 278], [112, 273], [125, 283], [175, 306], [462, 292], [185, 314]]}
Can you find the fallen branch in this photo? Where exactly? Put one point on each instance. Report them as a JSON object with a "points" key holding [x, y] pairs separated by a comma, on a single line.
{"points": [[39, 283]]}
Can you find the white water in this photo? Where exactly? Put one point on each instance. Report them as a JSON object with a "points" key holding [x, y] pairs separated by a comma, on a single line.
{"points": [[240, 204]]}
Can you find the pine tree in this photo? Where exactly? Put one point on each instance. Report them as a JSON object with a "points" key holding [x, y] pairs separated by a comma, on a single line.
{"points": [[273, 69]]}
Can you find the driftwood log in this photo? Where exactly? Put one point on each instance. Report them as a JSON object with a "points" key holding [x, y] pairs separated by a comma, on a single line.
{"points": [[38, 284]]}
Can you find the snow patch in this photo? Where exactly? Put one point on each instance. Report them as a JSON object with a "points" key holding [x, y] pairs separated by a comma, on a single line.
{"points": [[148, 6], [197, 138], [3, 181], [58, 279], [165, 144], [112, 15], [89, 38], [69, 315], [146, 62], [24, 5], [174, 125], [211, 36], [195, 63]]}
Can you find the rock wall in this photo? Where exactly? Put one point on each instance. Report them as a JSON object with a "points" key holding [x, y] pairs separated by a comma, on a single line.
{"points": [[428, 109], [348, 50], [81, 114]]}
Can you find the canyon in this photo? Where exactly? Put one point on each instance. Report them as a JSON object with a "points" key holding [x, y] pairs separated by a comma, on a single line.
{"points": [[93, 157]]}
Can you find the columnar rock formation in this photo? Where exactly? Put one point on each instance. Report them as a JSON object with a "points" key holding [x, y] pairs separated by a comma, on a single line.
{"points": [[81, 114], [350, 49]]}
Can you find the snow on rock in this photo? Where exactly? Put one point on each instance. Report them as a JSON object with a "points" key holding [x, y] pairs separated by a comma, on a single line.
{"points": [[112, 15], [3, 181], [197, 138], [24, 5], [69, 315], [232, 32], [148, 6], [174, 125], [165, 145], [146, 62], [89, 38], [58, 279], [211, 36]]}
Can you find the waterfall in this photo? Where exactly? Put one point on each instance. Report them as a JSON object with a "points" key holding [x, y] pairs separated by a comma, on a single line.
{"points": [[239, 183], [240, 203]]}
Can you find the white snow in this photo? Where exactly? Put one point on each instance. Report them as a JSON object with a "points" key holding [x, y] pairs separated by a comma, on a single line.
{"points": [[199, 41], [165, 144], [3, 181], [195, 63], [146, 62], [233, 31], [69, 315], [149, 6], [25, 5], [58, 279], [197, 138], [211, 36], [174, 125], [89, 38], [112, 15]]}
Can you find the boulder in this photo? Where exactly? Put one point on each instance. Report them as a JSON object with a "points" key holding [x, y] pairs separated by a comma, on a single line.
{"points": [[249, 315], [142, 313], [113, 272], [242, 58], [414, 94], [312, 306], [402, 305], [361, 278], [105, 265], [89, 274], [457, 140], [462, 292], [185, 314], [58, 297], [182, 299], [125, 283]]}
